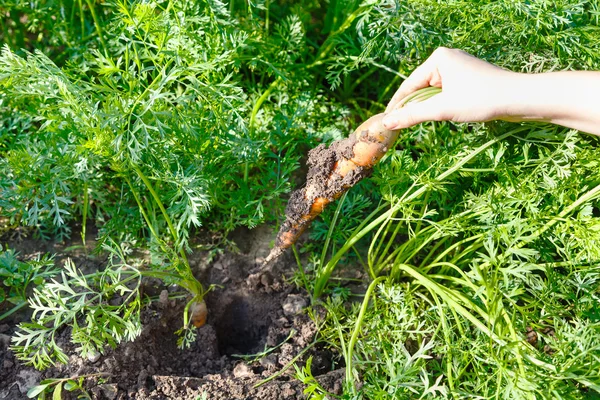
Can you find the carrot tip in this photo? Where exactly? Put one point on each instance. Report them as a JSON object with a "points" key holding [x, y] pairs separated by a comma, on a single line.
{"points": [[273, 255]]}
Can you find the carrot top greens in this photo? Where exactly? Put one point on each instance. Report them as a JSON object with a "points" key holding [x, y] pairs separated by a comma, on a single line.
{"points": [[152, 120]]}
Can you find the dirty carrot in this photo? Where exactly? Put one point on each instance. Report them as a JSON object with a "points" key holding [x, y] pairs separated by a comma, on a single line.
{"points": [[335, 169], [198, 313]]}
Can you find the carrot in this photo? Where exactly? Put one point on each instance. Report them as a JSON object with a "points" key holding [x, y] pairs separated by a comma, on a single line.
{"points": [[198, 313], [334, 170]]}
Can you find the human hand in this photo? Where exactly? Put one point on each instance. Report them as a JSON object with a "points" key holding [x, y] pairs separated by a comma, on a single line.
{"points": [[472, 91]]}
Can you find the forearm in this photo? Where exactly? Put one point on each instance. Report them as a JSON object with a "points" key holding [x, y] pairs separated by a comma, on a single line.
{"points": [[569, 98]]}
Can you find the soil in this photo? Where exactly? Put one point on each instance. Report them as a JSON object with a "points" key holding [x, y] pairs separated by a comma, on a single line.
{"points": [[251, 310]]}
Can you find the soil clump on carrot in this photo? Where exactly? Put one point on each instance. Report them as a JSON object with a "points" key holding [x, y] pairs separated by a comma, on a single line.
{"points": [[323, 180], [331, 172]]}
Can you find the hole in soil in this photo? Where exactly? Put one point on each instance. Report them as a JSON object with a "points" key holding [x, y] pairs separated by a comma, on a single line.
{"points": [[242, 323]]}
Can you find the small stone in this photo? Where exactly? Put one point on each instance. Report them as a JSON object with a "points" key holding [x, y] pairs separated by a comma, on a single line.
{"points": [[266, 279], [142, 377], [287, 391], [110, 390], [286, 355], [111, 365], [269, 362], [242, 371], [93, 357], [129, 352], [28, 379], [4, 328], [8, 364], [294, 304], [163, 298], [4, 340], [96, 392], [76, 364]]}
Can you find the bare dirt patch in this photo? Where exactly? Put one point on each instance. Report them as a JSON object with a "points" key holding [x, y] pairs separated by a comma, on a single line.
{"points": [[249, 312]]}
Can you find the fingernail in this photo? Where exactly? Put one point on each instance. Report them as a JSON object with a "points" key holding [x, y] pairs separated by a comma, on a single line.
{"points": [[389, 122]]}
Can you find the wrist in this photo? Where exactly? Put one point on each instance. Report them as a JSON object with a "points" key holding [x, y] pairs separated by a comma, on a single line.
{"points": [[557, 97], [524, 97]]}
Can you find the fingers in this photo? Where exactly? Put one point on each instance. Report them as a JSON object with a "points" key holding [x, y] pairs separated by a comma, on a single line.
{"points": [[436, 108], [425, 75], [420, 78]]}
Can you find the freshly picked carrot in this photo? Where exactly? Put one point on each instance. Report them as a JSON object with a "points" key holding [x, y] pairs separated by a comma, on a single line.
{"points": [[333, 170]]}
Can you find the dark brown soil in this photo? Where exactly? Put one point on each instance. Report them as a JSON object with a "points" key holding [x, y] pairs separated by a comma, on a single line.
{"points": [[252, 310]]}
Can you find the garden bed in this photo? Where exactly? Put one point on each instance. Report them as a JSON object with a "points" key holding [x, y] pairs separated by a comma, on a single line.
{"points": [[250, 311], [477, 245]]}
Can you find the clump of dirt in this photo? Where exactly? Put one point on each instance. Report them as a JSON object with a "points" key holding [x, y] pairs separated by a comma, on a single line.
{"points": [[321, 183], [249, 312]]}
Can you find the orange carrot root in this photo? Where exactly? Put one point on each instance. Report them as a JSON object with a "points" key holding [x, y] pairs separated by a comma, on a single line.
{"points": [[198, 313], [332, 171]]}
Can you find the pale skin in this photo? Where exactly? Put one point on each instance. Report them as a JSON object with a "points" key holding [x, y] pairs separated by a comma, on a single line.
{"points": [[477, 91]]}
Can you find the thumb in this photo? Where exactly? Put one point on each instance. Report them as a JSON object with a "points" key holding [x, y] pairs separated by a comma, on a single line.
{"points": [[435, 108]]}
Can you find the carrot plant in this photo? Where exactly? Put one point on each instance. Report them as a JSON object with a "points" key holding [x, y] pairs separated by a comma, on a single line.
{"points": [[482, 254], [146, 129], [153, 119], [82, 302], [17, 277]]}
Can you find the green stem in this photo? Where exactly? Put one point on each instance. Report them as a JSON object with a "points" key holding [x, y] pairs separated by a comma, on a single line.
{"points": [[82, 20], [356, 332], [325, 272], [13, 310], [332, 226], [420, 95], [300, 267], [286, 367], [148, 88], [423, 211], [198, 290], [260, 101], [158, 201], [329, 42], [456, 245], [447, 338], [86, 199], [591, 194], [146, 217], [373, 252], [98, 27], [452, 300], [255, 110], [267, 17]]}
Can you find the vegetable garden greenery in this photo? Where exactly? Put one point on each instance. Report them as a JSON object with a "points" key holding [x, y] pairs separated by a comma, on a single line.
{"points": [[151, 119]]}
